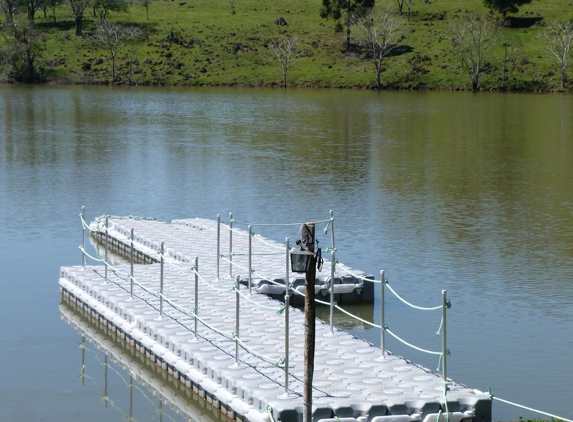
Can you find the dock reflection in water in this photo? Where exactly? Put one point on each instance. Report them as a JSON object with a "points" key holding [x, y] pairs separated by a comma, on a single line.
{"points": [[107, 360]]}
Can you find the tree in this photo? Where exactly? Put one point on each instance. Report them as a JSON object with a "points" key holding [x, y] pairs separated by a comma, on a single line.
{"points": [[8, 9], [511, 44], [103, 7], [378, 33], [284, 49], [505, 6], [24, 49], [559, 38], [32, 6], [78, 9], [113, 37], [335, 9], [471, 39]]}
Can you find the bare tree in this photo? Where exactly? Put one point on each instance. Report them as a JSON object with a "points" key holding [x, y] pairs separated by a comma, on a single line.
{"points": [[409, 4], [559, 38], [113, 37], [471, 39], [511, 44], [378, 34], [284, 49]]}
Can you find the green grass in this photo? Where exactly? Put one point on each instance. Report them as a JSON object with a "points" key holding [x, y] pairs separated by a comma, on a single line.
{"points": [[211, 30]]}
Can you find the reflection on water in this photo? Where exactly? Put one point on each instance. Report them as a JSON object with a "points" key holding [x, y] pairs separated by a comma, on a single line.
{"points": [[129, 382], [467, 193]]}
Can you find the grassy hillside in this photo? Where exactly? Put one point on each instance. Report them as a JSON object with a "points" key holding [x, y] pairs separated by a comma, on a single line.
{"points": [[225, 42]]}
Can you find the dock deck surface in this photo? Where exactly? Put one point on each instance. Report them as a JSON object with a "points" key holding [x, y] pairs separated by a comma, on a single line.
{"points": [[353, 380]]}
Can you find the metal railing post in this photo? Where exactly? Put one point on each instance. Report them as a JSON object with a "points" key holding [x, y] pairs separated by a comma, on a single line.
{"points": [[161, 281], [250, 256], [382, 318], [196, 312], [332, 271], [287, 306], [131, 264], [106, 245], [83, 216], [237, 319], [332, 228], [218, 243], [287, 331], [287, 279], [444, 336], [231, 244]]}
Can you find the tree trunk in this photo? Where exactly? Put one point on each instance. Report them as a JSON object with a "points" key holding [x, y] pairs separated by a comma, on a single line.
{"points": [[79, 23], [348, 27]]}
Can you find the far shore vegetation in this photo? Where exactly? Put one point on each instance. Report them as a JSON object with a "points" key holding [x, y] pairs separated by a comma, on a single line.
{"points": [[479, 45]]}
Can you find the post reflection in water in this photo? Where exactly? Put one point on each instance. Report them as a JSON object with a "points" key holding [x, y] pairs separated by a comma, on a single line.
{"points": [[149, 385]]}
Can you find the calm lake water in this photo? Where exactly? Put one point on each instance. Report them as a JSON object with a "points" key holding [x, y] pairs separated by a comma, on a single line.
{"points": [[445, 191]]}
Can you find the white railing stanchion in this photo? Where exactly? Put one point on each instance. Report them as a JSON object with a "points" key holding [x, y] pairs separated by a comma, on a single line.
{"points": [[196, 312], [382, 318], [218, 243], [287, 332], [131, 264], [237, 319], [332, 271], [106, 246], [287, 278], [231, 244], [444, 337], [287, 306], [161, 262], [250, 256], [332, 228], [83, 217]]}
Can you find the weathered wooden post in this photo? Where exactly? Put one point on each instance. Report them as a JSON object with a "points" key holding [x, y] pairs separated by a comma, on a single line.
{"points": [[310, 328]]}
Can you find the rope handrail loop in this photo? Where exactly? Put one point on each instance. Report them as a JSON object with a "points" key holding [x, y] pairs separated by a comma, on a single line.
{"points": [[276, 224], [360, 277], [409, 344], [408, 303], [81, 248], [336, 306], [559, 418], [278, 310]]}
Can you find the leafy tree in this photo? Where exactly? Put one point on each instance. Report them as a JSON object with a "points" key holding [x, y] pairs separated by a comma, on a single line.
{"points": [[378, 33], [7, 7], [32, 6], [103, 7], [335, 9], [113, 37], [78, 9], [559, 38], [505, 6], [52, 5], [284, 49], [471, 39], [26, 45]]}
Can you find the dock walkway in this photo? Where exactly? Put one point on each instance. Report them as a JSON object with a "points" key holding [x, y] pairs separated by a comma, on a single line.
{"points": [[231, 345]]}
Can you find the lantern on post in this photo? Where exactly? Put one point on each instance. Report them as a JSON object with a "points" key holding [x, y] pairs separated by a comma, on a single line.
{"points": [[301, 261]]}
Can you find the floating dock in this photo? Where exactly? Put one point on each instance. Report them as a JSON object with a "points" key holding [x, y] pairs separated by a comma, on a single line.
{"points": [[243, 349]]}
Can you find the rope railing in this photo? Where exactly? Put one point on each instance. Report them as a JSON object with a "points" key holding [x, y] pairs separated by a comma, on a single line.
{"points": [[164, 298], [531, 409], [165, 259]]}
